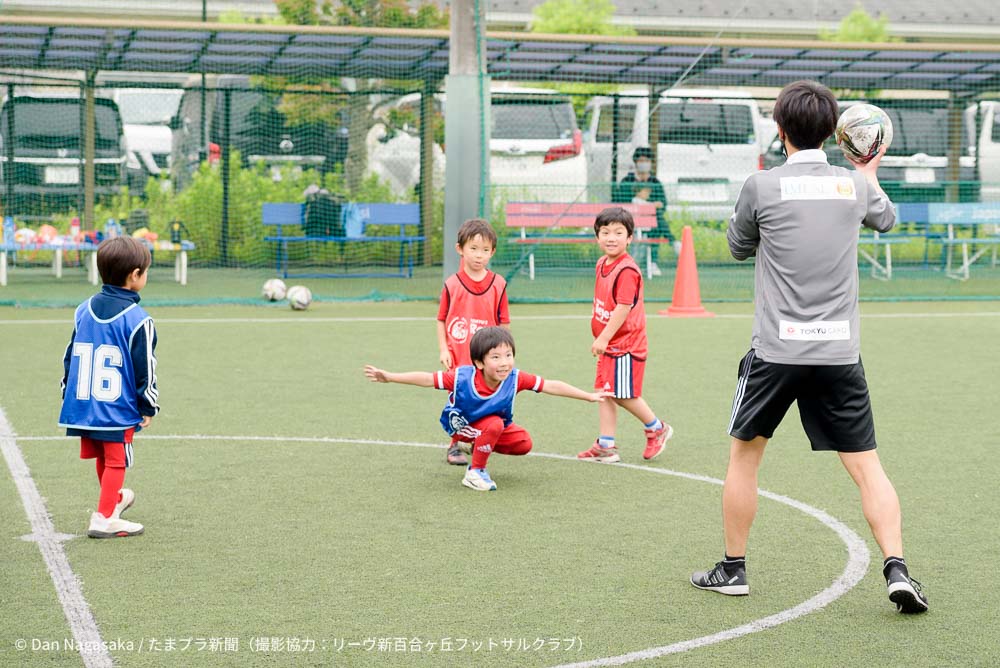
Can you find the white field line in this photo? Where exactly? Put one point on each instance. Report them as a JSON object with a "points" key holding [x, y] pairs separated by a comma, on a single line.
{"points": [[858, 556], [308, 320], [74, 605]]}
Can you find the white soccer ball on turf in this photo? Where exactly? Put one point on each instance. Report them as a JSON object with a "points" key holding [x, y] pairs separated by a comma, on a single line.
{"points": [[861, 131], [274, 289], [299, 297]]}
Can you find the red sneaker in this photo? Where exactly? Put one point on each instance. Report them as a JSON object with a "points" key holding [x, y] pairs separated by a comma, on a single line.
{"points": [[598, 454], [656, 440]]}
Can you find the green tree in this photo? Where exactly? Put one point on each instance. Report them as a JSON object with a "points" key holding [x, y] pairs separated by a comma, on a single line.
{"points": [[860, 26], [388, 14], [316, 103], [579, 17]]}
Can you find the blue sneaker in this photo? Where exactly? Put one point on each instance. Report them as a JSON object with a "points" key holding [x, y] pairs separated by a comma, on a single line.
{"points": [[479, 480]]}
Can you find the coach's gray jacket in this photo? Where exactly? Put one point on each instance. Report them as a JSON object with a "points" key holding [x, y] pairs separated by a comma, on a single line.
{"points": [[801, 220]]}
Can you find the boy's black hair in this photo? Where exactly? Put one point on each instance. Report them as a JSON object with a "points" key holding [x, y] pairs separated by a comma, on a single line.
{"points": [[807, 112], [642, 152], [474, 226], [118, 257], [614, 214], [488, 338]]}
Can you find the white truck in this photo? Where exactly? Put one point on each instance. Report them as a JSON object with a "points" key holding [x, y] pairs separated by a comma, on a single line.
{"points": [[708, 142]]}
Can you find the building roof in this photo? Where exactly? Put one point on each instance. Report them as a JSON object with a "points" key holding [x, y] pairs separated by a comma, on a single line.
{"points": [[174, 47], [927, 18], [973, 19]]}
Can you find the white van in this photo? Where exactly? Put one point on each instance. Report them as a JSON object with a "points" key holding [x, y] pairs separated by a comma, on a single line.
{"points": [[988, 150], [146, 114], [709, 142], [536, 148]]}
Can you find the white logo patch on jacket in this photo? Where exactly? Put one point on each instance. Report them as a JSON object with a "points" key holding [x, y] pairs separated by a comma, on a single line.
{"points": [[818, 187]]}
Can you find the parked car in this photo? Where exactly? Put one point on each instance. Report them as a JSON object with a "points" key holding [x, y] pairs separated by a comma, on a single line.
{"points": [[45, 137], [146, 114], [708, 142], [915, 167], [257, 129], [536, 147], [393, 143], [986, 117]]}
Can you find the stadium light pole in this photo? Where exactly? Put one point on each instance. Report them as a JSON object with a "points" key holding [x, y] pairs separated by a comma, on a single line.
{"points": [[467, 122]]}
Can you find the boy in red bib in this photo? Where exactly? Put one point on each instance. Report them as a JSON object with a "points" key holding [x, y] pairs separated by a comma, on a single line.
{"points": [[474, 297], [618, 324]]}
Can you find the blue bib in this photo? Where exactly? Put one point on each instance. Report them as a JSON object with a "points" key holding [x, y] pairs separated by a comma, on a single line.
{"points": [[100, 388], [465, 405]]}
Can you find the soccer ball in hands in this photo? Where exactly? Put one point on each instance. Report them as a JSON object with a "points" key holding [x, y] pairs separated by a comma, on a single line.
{"points": [[861, 132], [274, 290], [299, 297]]}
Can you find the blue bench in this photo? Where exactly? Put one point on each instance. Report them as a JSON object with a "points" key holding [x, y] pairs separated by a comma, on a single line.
{"points": [[287, 220], [915, 214], [975, 217]]}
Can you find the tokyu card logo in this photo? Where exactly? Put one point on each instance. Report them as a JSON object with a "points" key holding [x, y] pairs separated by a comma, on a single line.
{"points": [[817, 187], [819, 330]]}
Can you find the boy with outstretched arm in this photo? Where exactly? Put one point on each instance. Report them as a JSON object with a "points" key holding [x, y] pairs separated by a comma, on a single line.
{"points": [[480, 408]]}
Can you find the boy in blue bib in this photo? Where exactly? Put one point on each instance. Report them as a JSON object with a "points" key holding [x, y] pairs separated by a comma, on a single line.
{"points": [[109, 378], [479, 413]]}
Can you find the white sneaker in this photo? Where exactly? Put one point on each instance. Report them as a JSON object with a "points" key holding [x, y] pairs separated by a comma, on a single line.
{"points": [[654, 269], [128, 498], [112, 527], [479, 480]]}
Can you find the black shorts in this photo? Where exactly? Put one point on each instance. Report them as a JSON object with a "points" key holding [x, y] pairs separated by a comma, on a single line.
{"points": [[834, 406]]}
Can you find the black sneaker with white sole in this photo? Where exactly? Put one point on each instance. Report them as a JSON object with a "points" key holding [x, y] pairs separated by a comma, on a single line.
{"points": [[904, 591], [730, 583]]}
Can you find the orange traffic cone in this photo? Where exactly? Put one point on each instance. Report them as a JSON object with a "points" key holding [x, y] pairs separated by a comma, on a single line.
{"points": [[687, 294]]}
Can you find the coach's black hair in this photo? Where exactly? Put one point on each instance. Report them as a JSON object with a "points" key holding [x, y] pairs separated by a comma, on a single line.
{"points": [[488, 338], [614, 214], [807, 113]]}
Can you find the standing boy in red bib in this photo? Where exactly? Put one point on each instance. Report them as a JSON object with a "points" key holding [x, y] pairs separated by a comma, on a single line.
{"points": [[618, 324], [474, 297]]}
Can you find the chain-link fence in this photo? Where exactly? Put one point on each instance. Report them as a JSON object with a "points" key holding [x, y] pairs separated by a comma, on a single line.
{"points": [[190, 157]]}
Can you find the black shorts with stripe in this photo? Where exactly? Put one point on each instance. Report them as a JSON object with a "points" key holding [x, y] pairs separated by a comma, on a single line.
{"points": [[833, 402]]}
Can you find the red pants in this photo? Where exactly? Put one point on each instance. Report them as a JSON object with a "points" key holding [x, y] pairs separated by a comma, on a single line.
{"points": [[111, 461], [494, 437]]}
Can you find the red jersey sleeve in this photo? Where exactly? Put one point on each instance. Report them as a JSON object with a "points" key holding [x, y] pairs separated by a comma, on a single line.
{"points": [[445, 304], [627, 287], [503, 309], [529, 381], [444, 380]]}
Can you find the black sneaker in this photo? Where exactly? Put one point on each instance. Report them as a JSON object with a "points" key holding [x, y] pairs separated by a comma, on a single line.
{"points": [[456, 457], [905, 592], [720, 580]]}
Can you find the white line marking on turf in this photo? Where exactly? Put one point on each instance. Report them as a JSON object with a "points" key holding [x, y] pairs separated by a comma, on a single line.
{"points": [[858, 556], [307, 320], [78, 614]]}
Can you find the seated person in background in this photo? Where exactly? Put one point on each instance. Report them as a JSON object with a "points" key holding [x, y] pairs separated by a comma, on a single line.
{"points": [[641, 186]]}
